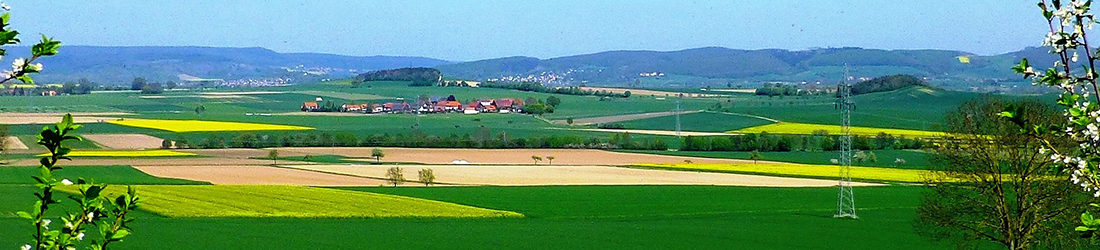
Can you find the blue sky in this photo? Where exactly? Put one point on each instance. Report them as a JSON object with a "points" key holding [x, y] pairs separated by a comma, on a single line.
{"points": [[470, 30]]}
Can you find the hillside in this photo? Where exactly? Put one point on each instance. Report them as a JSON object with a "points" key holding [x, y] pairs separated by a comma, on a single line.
{"points": [[723, 66], [886, 83], [119, 65]]}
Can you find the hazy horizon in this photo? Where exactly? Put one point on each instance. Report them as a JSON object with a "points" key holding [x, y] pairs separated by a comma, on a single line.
{"points": [[475, 30]]}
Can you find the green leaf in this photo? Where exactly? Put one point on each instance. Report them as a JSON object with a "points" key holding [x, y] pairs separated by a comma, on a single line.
{"points": [[1086, 218], [120, 234], [24, 215], [1083, 229]]}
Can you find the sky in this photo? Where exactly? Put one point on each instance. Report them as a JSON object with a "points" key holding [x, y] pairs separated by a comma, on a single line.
{"points": [[466, 30]]}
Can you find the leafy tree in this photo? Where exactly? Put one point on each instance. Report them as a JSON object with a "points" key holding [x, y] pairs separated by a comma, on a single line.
{"points": [[166, 144], [859, 157], [553, 101], [626, 94], [536, 158], [274, 156], [550, 159], [181, 142], [395, 176], [171, 85], [3, 139], [138, 83], [871, 157], [152, 88], [992, 184], [377, 154], [426, 176], [569, 120], [755, 156]]}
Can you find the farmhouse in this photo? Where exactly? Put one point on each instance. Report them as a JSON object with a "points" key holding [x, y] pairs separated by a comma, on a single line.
{"points": [[428, 105], [310, 106]]}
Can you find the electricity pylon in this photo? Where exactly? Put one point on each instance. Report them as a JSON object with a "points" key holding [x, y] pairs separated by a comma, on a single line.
{"points": [[846, 201]]}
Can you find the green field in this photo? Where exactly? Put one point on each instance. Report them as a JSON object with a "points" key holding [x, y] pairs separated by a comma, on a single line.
{"points": [[886, 158], [577, 217], [702, 122], [97, 174]]}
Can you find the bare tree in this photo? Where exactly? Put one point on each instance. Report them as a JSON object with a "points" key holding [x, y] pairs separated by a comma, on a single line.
{"points": [[536, 158], [395, 176], [996, 185], [550, 159], [755, 156], [274, 156]]}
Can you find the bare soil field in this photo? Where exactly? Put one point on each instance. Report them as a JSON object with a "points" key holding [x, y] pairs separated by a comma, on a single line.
{"points": [[621, 118], [189, 161], [503, 156], [243, 93], [256, 175], [646, 92], [657, 132], [572, 175], [744, 91], [236, 153], [12, 142], [124, 141], [51, 118]]}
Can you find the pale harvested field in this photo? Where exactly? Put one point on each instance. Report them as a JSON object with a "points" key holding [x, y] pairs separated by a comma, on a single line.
{"points": [[621, 118], [12, 142], [189, 161], [256, 175], [656, 132], [238, 153], [646, 92], [502, 156], [124, 141], [746, 91], [342, 95], [51, 118], [572, 175]]}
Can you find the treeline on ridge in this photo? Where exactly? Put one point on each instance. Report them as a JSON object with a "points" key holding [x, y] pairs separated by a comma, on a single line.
{"points": [[482, 138], [538, 87], [886, 83], [418, 76], [818, 141]]}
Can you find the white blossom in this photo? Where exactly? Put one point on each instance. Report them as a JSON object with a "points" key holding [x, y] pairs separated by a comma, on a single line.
{"points": [[68, 182], [45, 223], [25, 247], [80, 236], [36, 66], [18, 64], [5, 6]]}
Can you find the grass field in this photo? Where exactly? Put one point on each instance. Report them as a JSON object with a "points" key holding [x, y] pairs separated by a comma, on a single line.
{"points": [[806, 129], [577, 217], [97, 174], [291, 201], [886, 158], [203, 126], [800, 170], [702, 122], [126, 153]]}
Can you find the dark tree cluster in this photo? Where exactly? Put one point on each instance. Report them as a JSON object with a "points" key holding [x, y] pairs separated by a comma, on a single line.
{"points": [[886, 83], [778, 89], [482, 138], [819, 141], [417, 76]]}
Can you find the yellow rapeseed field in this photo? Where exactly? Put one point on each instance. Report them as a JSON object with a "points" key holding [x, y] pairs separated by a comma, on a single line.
{"points": [[203, 126], [125, 153], [806, 128], [291, 201], [804, 170]]}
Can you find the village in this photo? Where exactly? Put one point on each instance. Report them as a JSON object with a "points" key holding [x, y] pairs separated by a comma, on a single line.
{"points": [[447, 104]]}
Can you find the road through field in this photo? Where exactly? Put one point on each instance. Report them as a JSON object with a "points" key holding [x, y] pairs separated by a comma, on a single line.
{"points": [[570, 175]]}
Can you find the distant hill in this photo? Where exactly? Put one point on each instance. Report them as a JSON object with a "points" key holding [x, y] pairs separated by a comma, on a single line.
{"points": [[723, 66], [119, 65]]}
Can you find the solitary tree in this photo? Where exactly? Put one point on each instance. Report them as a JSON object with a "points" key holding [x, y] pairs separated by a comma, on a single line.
{"points": [[859, 157], [274, 156], [395, 176], [871, 157], [569, 120], [377, 154], [994, 184], [138, 83], [427, 176], [550, 158], [755, 156], [536, 158], [166, 144]]}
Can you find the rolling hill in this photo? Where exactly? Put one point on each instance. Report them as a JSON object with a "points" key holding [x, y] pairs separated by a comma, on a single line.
{"points": [[119, 65], [715, 65]]}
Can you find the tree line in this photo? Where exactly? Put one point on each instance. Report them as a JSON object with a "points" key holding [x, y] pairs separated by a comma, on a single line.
{"points": [[538, 87], [417, 76]]}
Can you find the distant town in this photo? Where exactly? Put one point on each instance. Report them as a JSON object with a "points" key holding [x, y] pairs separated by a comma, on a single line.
{"points": [[436, 104]]}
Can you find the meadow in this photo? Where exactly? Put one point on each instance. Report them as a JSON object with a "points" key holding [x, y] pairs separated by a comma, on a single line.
{"points": [[126, 153], [872, 174], [202, 126], [912, 159], [702, 121]]}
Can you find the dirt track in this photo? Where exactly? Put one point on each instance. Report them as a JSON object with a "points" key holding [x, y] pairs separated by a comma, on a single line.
{"points": [[51, 118], [12, 142], [256, 175], [571, 175], [501, 156]]}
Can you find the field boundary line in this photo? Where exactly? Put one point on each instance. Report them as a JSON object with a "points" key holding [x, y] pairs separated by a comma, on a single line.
{"points": [[747, 115]]}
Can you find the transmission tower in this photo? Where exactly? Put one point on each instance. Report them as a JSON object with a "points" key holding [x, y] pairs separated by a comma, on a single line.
{"points": [[678, 97], [846, 202]]}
